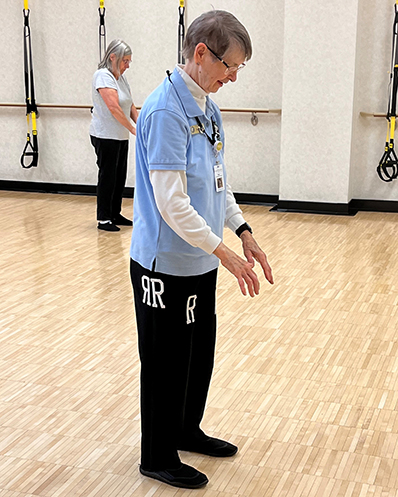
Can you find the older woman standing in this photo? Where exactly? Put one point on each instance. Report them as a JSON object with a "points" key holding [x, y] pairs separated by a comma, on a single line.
{"points": [[181, 204], [109, 131]]}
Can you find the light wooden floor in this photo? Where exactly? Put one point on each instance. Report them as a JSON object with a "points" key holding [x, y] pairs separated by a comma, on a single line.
{"points": [[306, 378]]}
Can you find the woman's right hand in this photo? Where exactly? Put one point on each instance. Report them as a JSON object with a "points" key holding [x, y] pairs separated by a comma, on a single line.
{"points": [[241, 269]]}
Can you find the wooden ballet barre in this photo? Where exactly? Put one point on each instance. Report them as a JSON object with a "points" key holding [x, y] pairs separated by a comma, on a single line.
{"points": [[374, 114], [253, 111], [49, 106], [75, 106], [52, 106]]}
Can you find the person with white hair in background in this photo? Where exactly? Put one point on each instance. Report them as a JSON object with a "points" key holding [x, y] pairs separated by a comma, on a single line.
{"points": [[113, 110]]}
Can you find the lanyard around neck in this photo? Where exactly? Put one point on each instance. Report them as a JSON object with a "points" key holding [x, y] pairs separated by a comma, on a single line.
{"points": [[215, 138]]}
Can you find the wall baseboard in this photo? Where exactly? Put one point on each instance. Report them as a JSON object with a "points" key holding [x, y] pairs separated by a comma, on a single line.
{"points": [[74, 189], [256, 198], [315, 208], [64, 188], [349, 209], [375, 205]]}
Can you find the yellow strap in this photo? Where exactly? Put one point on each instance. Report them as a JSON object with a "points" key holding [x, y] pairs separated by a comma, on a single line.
{"points": [[182, 3], [34, 128], [392, 132], [26, 6], [102, 4]]}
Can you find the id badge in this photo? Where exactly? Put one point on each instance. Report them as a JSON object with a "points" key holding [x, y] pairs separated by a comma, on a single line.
{"points": [[219, 177]]}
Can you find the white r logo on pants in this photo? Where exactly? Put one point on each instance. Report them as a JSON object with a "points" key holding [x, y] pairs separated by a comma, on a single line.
{"points": [[149, 287], [191, 304]]}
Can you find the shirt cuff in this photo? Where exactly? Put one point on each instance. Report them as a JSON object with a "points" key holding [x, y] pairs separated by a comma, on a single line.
{"points": [[235, 221], [211, 243]]}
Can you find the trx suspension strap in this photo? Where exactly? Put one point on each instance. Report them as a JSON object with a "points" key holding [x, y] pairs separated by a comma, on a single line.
{"points": [[388, 165], [102, 31], [31, 149], [181, 31]]}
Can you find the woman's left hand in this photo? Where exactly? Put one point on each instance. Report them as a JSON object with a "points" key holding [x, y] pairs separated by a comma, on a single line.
{"points": [[252, 252]]}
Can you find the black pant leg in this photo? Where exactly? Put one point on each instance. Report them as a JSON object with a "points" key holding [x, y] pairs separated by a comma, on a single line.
{"points": [[107, 152], [202, 357], [120, 180], [164, 342], [176, 339]]}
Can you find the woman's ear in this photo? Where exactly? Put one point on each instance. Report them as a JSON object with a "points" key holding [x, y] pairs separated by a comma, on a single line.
{"points": [[199, 53]]}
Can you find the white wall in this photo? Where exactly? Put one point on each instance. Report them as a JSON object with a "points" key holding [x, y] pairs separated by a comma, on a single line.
{"points": [[336, 62], [318, 88], [65, 52], [374, 45]]}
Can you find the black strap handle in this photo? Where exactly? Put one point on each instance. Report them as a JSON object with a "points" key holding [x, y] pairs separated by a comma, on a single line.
{"points": [[30, 151], [387, 171], [388, 165]]}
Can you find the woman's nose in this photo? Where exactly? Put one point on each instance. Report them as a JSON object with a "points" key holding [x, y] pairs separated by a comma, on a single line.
{"points": [[233, 76]]}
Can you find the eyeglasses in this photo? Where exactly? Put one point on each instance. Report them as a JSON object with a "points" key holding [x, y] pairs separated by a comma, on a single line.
{"points": [[229, 69], [126, 61]]}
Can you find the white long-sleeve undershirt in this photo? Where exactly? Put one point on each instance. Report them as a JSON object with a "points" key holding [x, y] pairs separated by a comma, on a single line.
{"points": [[170, 192], [169, 188]]}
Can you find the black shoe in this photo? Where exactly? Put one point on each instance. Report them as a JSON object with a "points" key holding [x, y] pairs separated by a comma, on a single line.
{"points": [[209, 446], [122, 221], [108, 226], [183, 477]]}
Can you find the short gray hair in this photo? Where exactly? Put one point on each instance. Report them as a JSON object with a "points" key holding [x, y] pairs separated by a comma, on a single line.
{"points": [[219, 29], [120, 49]]}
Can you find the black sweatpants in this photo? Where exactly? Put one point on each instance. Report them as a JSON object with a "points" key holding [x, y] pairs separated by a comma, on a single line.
{"points": [[112, 171], [176, 324]]}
